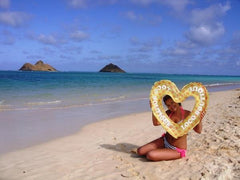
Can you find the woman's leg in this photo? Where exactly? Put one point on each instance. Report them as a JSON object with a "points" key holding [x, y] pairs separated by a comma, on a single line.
{"points": [[163, 154], [143, 150]]}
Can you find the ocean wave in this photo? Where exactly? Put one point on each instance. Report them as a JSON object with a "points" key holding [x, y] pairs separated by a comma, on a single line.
{"points": [[44, 102], [1, 102], [113, 98], [4, 105], [59, 105], [221, 84]]}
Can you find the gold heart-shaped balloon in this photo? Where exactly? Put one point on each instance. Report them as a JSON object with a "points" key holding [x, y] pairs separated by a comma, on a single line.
{"points": [[166, 87]]}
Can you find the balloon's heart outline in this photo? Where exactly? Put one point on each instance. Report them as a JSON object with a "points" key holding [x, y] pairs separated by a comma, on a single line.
{"points": [[166, 87]]}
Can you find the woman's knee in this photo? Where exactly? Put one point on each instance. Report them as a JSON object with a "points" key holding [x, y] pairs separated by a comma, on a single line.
{"points": [[151, 155], [162, 155], [140, 151]]}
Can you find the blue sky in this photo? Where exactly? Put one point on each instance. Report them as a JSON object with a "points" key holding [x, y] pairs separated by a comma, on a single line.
{"points": [[159, 36]]}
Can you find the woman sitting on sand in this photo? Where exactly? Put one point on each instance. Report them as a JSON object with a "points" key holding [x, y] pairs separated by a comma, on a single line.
{"points": [[167, 147]]}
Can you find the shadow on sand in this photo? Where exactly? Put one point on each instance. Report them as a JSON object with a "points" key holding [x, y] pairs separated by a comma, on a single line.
{"points": [[128, 148]]}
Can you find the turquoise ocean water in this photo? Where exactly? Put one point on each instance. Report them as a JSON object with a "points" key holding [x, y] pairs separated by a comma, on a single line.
{"points": [[36, 107], [50, 90]]}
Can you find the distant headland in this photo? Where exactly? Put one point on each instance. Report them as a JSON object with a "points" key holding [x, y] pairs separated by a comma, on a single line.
{"points": [[112, 68], [39, 66]]}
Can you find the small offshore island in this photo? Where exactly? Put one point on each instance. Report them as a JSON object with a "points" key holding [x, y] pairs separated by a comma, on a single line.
{"points": [[39, 66], [112, 68]]}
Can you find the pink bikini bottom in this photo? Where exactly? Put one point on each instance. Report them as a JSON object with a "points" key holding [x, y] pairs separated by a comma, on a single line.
{"points": [[169, 146]]}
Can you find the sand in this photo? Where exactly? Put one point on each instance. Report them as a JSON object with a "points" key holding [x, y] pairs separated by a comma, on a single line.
{"points": [[103, 150]]}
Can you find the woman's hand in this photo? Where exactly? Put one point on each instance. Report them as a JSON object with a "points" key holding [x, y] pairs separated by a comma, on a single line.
{"points": [[202, 115], [155, 121], [150, 104]]}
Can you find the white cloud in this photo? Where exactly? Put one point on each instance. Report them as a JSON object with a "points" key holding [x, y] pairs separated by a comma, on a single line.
{"points": [[47, 39], [79, 36], [14, 18], [87, 3], [56, 39], [77, 3], [205, 25], [132, 15], [207, 15], [175, 52], [230, 52], [205, 34], [149, 19], [180, 50], [4, 3], [177, 5]]}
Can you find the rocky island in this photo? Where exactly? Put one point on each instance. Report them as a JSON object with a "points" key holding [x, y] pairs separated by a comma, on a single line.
{"points": [[39, 66], [112, 68]]}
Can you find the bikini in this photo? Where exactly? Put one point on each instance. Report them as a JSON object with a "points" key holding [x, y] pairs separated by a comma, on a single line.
{"points": [[168, 145]]}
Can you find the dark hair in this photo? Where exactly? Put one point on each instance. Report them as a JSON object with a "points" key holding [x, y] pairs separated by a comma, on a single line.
{"points": [[165, 98]]}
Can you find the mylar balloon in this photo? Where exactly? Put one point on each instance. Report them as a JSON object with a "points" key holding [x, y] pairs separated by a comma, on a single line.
{"points": [[166, 87]]}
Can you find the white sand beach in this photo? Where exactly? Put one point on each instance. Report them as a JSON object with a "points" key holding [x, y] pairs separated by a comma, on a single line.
{"points": [[103, 150]]}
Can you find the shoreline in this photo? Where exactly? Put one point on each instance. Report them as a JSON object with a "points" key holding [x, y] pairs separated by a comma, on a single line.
{"points": [[102, 150]]}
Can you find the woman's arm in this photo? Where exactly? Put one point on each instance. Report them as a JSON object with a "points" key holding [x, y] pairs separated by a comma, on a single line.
{"points": [[198, 128], [155, 121]]}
